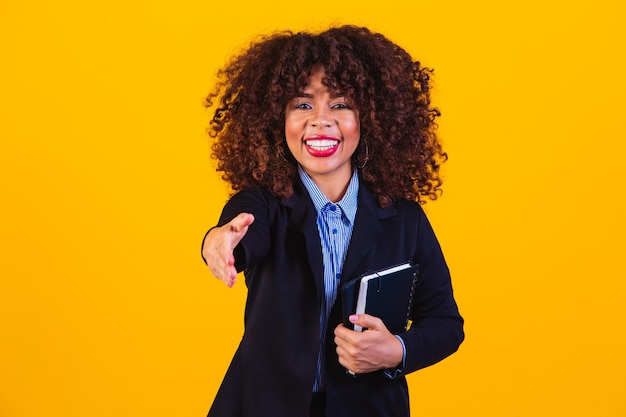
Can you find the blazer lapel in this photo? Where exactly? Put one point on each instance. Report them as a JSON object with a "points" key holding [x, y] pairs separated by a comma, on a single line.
{"points": [[303, 219], [366, 232]]}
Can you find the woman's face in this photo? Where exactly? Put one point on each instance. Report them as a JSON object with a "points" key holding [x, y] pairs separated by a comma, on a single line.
{"points": [[322, 131]]}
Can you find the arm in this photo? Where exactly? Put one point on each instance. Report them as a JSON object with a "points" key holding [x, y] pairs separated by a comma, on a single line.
{"points": [[437, 327], [241, 238]]}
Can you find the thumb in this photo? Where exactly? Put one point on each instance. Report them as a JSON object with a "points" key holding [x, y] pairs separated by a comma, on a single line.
{"points": [[242, 221], [367, 322], [238, 229]]}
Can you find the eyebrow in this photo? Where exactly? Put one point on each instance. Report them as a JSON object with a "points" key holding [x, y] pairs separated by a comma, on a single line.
{"points": [[332, 95]]}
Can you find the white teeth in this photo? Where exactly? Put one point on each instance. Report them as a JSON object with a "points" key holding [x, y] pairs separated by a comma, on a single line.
{"points": [[321, 144]]}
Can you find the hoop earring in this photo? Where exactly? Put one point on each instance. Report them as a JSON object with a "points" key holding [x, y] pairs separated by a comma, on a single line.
{"points": [[367, 156], [282, 155]]}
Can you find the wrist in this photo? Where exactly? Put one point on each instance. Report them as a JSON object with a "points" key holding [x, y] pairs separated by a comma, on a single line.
{"points": [[397, 353], [396, 370]]}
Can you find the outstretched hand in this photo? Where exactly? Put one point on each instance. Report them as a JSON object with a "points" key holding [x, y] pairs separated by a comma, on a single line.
{"points": [[219, 244], [368, 351]]}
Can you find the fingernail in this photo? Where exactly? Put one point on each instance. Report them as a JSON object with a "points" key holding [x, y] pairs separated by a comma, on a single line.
{"points": [[353, 318]]}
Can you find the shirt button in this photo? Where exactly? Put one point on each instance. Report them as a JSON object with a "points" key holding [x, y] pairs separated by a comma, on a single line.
{"points": [[334, 231]]}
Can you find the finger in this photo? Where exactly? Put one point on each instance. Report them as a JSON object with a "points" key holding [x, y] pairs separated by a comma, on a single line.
{"points": [[348, 362], [227, 274], [340, 329], [231, 279], [343, 334], [238, 228], [367, 321], [242, 221], [222, 267]]}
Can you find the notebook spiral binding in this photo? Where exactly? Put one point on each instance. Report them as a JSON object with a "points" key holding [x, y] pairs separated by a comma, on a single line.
{"points": [[407, 326]]}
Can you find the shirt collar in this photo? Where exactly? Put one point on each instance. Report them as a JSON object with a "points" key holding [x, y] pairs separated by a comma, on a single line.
{"points": [[348, 203]]}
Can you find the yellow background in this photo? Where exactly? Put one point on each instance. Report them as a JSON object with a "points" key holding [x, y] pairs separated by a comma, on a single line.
{"points": [[106, 190]]}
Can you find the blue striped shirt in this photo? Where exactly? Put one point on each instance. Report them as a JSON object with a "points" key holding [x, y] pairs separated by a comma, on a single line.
{"points": [[334, 224]]}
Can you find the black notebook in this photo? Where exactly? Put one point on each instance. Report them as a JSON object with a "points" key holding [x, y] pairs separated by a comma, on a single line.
{"points": [[386, 293]]}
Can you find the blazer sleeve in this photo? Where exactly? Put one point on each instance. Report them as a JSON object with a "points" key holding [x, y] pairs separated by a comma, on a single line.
{"points": [[437, 327]]}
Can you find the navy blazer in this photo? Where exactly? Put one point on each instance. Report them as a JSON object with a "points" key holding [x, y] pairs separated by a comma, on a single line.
{"points": [[273, 370]]}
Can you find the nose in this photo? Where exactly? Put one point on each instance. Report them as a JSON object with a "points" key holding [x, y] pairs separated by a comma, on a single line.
{"points": [[321, 117]]}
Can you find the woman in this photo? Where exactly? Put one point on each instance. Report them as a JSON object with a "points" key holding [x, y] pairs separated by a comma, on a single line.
{"points": [[328, 141]]}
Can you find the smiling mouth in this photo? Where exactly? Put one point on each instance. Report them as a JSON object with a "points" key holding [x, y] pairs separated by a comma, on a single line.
{"points": [[321, 145]]}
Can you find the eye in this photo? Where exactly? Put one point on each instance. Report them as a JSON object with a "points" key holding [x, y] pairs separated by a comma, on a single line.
{"points": [[302, 106], [340, 106]]}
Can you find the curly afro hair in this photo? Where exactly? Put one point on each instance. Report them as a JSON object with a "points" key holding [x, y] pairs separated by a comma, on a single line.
{"points": [[399, 154]]}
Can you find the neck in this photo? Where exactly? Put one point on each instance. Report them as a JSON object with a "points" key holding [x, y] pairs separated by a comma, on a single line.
{"points": [[333, 187], [333, 191]]}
